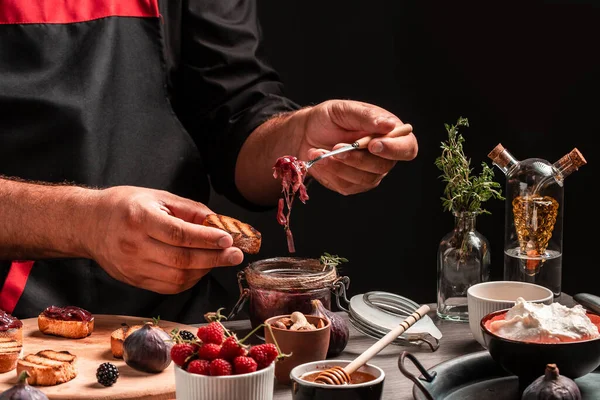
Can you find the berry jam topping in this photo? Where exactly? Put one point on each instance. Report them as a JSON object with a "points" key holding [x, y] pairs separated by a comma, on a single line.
{"points": [[292, 173], [69, 313], [7, 322]]}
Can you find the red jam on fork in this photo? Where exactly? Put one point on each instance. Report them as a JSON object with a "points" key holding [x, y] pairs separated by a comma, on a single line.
{"points": [[292, 173]]}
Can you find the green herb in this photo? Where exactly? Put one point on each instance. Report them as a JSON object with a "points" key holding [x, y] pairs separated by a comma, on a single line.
{"points": [[331, 260], [464, 192]]}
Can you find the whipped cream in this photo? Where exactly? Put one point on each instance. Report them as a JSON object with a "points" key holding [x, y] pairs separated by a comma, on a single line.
{"points": [[527, 321]]}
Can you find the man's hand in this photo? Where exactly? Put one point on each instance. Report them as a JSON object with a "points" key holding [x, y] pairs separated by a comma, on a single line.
{"points": [[336, 123], [311, 131], [154, 240]]}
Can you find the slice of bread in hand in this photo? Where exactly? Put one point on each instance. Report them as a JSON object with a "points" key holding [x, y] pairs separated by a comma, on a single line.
{"points": [[68, 329], [10, 351], [245, 237], [118, 336], [48, 367]]}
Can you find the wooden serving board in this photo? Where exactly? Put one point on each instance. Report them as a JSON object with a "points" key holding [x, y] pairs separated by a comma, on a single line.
{"points": [[91, 352]]}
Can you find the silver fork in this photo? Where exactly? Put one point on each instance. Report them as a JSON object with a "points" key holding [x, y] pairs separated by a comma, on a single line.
{"points": [[359, 144]]}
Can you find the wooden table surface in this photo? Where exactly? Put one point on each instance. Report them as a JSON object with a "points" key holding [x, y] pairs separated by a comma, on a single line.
{"points": [[456, 341]]}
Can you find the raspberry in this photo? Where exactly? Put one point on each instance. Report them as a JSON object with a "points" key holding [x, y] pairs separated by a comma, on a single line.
{"points": [[263, 354], [187, 335], [107, 374], [231, 349], [209, 351], [200, 367], [211, 333], [181, 352], [219, 367], [244, 365]]}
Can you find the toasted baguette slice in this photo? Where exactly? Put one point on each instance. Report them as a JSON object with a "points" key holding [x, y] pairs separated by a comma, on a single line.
{"points": [[10, 351], [68, 329], [13, 334], [48, 367], [245, 237], [118, 336]]}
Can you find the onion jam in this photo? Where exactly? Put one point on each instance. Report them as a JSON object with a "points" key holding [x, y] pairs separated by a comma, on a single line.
{"points": [[7, 322], [69, 313], [292, 173]]}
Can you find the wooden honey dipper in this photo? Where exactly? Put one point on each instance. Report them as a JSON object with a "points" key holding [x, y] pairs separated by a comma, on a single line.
{"points": [[339, 376]]}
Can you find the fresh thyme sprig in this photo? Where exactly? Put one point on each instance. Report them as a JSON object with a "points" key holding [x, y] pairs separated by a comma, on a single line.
{"points": [[331, 260], [464, 191]]}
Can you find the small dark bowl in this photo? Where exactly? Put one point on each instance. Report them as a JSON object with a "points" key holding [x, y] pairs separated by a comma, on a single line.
{"points": [[304, 390], [528, 360]]}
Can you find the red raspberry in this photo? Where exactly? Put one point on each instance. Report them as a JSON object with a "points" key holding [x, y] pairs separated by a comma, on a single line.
{"points": [[231, 349], [263, 354], [181, 352], [220, 367], [211, 333], [200, 367], [209, 351], [244, 365]]}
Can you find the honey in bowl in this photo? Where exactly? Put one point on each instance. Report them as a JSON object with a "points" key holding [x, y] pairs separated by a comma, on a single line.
{"points": [[355, 377]]}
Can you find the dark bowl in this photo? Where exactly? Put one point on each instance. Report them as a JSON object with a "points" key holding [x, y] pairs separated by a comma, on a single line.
{"points": [[304, 390], [528, 360]]}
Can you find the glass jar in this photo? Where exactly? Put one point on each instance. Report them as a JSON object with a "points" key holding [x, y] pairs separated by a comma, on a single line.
{"points": [[464, 259], [282, 285]]}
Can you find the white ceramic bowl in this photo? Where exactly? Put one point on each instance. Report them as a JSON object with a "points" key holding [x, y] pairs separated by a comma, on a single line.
{"points": [[257, 385], [484, 298]]}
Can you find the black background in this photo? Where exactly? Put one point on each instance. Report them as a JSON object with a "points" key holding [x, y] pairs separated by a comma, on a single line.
{"points": [[526, 76]]}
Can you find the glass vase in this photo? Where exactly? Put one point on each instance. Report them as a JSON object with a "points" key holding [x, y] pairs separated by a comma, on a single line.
{"points": [[463, 260]]}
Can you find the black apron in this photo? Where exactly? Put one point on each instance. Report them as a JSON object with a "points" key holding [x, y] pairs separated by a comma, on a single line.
{"points": [[83, 99]]}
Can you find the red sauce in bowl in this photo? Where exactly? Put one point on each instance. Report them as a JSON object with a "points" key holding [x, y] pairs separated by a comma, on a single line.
{"points": [[69, 313], [7, 322], [593, 317]]}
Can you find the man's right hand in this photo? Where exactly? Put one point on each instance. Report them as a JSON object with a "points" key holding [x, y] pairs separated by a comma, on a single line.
{"points": [[154, 240]]}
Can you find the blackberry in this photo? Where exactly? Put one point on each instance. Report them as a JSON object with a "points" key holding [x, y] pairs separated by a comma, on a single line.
{"points": [[187, 335], [107, 374]]}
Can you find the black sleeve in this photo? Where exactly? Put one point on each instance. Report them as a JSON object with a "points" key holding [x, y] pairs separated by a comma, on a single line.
{"points": [[225, 88]]}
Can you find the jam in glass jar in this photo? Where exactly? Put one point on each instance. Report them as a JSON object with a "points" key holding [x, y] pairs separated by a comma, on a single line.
{"points": [[282, 285]]}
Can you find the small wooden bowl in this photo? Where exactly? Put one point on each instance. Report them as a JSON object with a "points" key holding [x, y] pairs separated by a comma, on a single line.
{"points": [[304, 346]]}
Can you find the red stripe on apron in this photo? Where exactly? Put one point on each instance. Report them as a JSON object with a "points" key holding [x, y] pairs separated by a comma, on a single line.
{"points": [[14, 285], [69, 11]]}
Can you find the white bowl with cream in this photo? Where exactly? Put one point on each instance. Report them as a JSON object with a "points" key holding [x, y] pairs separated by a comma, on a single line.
{"points": [[486, 297]]}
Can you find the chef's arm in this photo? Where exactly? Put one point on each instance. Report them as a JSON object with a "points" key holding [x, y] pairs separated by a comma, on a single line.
{"points": [[42, 220], [254, 169]]}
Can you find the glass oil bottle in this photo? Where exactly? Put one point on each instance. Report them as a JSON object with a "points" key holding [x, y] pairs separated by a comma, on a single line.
{"points": [[533, 234]]}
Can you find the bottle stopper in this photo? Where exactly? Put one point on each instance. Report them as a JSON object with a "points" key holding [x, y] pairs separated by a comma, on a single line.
{"points": [[571, 162], [499, 156]]}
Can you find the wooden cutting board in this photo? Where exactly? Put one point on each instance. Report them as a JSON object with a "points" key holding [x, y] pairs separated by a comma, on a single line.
{"points": [[91, 352]]}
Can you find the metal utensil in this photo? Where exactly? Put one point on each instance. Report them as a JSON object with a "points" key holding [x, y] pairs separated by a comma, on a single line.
{"points": [[589, 301], [359, 144]]}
